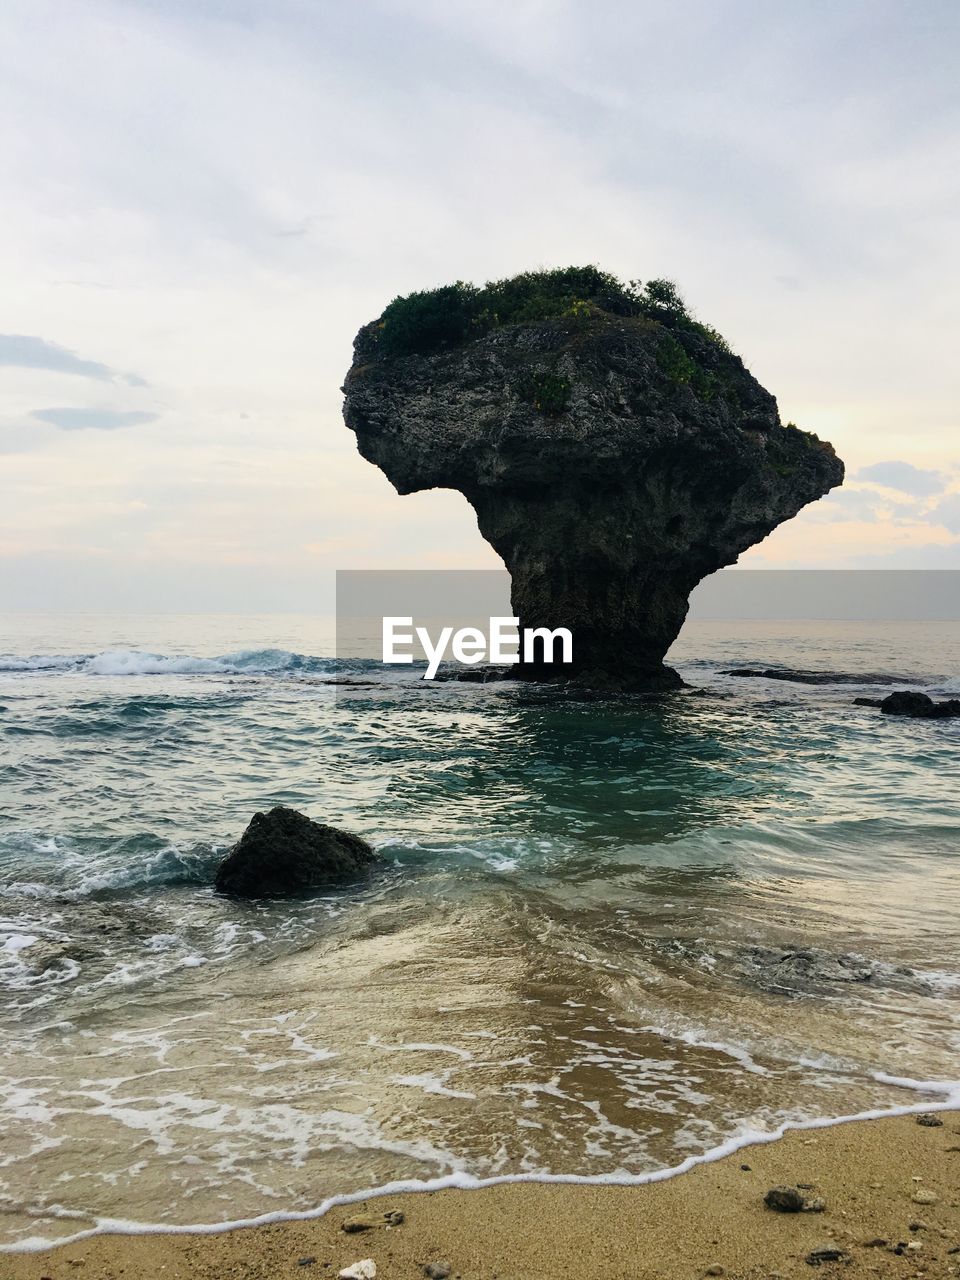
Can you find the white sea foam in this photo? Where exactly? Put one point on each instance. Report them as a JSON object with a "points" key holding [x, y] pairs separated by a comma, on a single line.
{"points": [[948, 1091], [128, 662], [39, 662], [410, 1045], [18, 942], [430, 1083], [139, 662], [700, 1040]]}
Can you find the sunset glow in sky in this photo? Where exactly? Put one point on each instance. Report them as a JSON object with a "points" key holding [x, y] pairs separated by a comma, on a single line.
{"points": [[204, 199]]}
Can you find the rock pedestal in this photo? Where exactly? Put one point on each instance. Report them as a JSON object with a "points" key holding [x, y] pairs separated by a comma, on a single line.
{"points": [[613, 461]]}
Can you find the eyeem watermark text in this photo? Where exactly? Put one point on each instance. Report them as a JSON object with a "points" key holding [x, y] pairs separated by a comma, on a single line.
{"points": [[504, 642]]}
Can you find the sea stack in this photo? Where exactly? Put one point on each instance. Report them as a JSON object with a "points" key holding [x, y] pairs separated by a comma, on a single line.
{"points": [[614, 448]]}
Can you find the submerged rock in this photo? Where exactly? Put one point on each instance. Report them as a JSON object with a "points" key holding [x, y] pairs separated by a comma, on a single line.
{"points": [[615, 450], [284, 851], [814, 677], [47, 953], [809, 970]]}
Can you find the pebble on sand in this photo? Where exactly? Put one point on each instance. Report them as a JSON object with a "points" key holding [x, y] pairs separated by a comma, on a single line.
{"points": [[353, 1226], [365, 1269], [437, 1270], [784, 1200], [924, 1196], [825, 1253], [929, 1120]]}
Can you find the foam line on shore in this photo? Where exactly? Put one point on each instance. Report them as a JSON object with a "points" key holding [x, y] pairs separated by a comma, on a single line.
{"points": [[949, 1090]]}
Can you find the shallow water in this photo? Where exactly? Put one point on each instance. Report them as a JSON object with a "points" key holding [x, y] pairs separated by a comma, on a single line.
{"points": [[579, 957]]}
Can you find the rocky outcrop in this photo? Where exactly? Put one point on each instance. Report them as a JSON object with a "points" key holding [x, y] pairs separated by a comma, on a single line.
{"points": [[615, 455], [908, 702], [815, 677], [283, 852]]}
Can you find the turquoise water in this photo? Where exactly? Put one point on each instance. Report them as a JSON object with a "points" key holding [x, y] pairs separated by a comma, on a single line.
{"points": [[607, 934]]}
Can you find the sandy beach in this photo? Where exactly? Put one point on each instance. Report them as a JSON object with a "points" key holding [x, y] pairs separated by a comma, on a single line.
{"points": [[890, 1189]]}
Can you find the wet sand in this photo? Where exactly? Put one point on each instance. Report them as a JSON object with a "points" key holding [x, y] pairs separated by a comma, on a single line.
{"points": [[872, 1176]]}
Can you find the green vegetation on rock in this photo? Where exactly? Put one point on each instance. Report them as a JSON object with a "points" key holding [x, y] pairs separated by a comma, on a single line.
{"points": [[547, 392], [434, 320]]}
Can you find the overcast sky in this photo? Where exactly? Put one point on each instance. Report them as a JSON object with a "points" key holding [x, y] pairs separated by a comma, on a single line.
{"points": [[204, 199]]}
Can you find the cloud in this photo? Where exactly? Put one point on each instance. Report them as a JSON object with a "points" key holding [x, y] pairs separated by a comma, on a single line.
{"points": [[905, 477], [24, 351], [947, 512], [92, 419], [932, 555], [232, 244], [861, 505]]}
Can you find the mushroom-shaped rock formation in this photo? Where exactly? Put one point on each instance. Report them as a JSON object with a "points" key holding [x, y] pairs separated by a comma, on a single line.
{"points": [[614, 449]]}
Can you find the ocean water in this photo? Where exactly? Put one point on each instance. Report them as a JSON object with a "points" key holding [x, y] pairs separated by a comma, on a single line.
{"points": [[608, 935]]}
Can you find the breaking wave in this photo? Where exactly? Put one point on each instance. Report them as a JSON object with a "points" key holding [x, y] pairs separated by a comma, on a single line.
{"points": [[136, 662]]}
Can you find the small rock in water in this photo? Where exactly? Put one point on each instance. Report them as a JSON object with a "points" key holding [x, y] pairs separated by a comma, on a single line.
{"points": [[365, 1269], [825, 1253], [437, 1270], [929, 1120], [907, 702], [923, 1196], [784, 1200], [285, 852]]}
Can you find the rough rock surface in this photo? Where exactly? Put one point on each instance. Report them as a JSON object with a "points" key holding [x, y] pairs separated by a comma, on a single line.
{"points": [[608, 479], [906, 702], [809, 971], [784, 1199], [283, 851], [46, 954]]}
